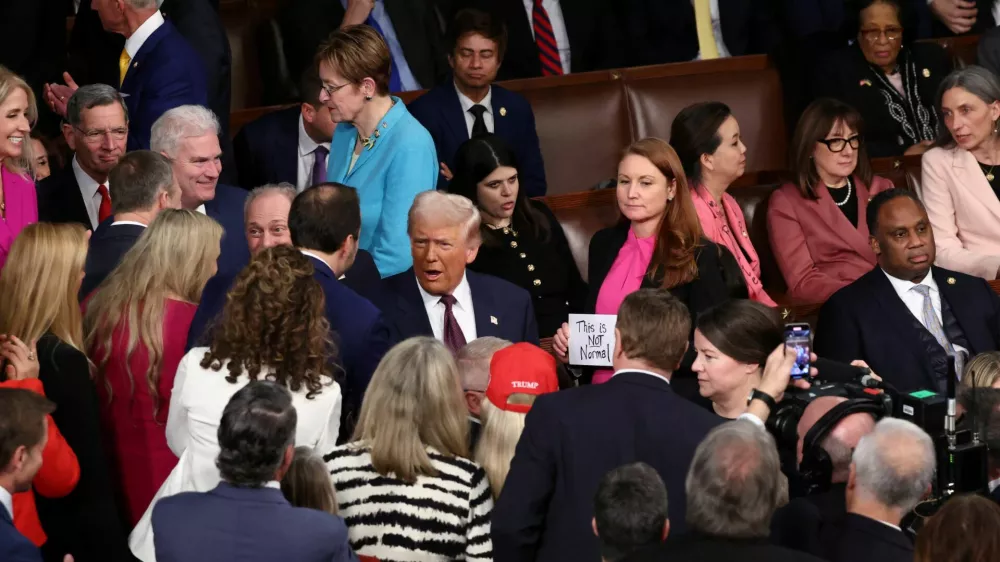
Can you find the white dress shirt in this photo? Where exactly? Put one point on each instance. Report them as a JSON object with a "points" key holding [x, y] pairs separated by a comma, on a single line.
{"points": [[467, 104], [7, 501], [464, 313], [88, 190], [554, 10], [914, 301], [134, 43], [312, 255], [720, 43], [307, 157], [201, 209], [133, 223]]}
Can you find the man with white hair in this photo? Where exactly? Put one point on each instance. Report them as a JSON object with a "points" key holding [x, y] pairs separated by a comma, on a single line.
{"points": [[189, 137], [891, 473], [474, 369], [437, 296]]}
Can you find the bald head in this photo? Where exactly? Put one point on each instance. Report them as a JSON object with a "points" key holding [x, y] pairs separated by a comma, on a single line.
{"points": [[842, 440]]}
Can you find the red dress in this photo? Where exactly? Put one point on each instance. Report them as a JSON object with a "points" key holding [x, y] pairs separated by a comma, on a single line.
{"points": [[135, 438]]}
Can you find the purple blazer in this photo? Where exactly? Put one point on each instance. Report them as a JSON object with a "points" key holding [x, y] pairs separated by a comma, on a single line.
{"points": [[22, 208]]}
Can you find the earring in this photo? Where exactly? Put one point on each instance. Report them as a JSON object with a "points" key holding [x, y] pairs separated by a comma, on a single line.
{"points": [[368, 98]]}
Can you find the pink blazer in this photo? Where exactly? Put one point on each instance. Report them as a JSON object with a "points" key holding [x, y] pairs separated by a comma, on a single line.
{"points": [[817, 249], [22, 208], [727, 227], [964, 212]]}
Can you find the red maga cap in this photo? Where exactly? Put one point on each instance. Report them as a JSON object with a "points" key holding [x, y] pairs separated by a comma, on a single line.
{"points": [[521, 368]]}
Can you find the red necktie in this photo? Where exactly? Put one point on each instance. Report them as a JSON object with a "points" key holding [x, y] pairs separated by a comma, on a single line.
{"points": [[454, 339], [105, 209], [545, 38]]}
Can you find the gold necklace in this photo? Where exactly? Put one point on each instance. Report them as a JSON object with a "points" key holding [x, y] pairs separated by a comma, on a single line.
{"points": [[989, 174]]}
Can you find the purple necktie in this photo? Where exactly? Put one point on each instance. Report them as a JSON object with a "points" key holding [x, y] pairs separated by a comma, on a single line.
{"points": [[454, 339], [319, 165]]}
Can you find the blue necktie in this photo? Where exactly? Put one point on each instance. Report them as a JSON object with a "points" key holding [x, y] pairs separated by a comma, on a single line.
{"points": [[395, 84]]}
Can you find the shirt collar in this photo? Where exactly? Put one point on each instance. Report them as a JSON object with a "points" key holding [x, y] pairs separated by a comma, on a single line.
{"points": [[462, 294], [273, 484], [643, 371], [134, 43], [88, 185], [903, 286], [323, 261], [890, 525], [201, 209], [306, 143], [133, 223], [467, 102], [7, 501]]}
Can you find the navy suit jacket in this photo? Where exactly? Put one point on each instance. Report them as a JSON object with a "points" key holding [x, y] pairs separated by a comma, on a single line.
{"points": [[166, 73], [14, 547], [267, 149], [440, 112], [502, 309], [867, 320], [362, 339], [245, 525], [107, 246], [571, 439], [60, 200]]}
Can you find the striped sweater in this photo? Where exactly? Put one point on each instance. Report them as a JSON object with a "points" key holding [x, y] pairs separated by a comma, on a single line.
{"points": [[438, 518]]}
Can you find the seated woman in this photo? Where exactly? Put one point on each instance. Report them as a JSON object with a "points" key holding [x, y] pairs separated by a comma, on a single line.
{"points": [[378, 147], [136, 326], [404, 483], [893, 86], [658, 244], [960, 179], [522, 240], [706, 137], [274, 328], [817, 225], [733, 340]]}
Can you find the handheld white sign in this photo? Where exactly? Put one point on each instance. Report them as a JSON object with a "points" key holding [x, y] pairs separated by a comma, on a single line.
{"points": [[591, 339]]}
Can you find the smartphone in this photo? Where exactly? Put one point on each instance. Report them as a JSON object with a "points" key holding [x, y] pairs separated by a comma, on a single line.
{"points": [[799, 337]]}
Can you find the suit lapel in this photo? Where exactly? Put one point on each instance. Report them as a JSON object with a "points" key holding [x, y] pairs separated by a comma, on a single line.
{"points": [[411, 304], [453, 115], [856, 237], [893, 308], [140, 57], [500, 122], [487, 321], [975, 180], [952, 289]]}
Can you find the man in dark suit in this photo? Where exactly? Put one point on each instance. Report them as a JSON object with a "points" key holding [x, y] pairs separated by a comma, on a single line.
{"points": [[410, 27], [142, 185], [630, 511], [437, 296], [325, 221], [287, 146], [256, 447], [572, 438], [472, 105], [158, 68], [96, 129], [892, 471], [906, 317], [23, 435]]}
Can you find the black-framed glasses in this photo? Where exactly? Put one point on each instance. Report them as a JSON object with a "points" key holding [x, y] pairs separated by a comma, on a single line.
{"points": [[95, 135], [839, 144], [331, 89], [891, 34]]}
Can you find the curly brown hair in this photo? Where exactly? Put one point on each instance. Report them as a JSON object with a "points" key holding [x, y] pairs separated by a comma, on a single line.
{"points": [[275, 322]]}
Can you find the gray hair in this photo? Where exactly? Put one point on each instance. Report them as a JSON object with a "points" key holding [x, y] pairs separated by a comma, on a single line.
{"points": [[89, 97], [137, 180], [895, 464], [283, 188], [144, 4], [180, 123], [974, 79], [447, 208], [735, 482], [474, 361]]}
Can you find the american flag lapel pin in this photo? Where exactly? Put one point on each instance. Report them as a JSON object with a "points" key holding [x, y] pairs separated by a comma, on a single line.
{"points": [[494, 321]]}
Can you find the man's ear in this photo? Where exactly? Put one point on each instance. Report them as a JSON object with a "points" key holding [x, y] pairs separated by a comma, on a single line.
{"points": [[666, 530], [67, 132], [687, 344], [593, 526], [308, 112], [874, 245]]}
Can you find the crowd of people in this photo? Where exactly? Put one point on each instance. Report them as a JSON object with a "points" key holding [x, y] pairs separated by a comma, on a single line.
{"points": [[323, 339]]}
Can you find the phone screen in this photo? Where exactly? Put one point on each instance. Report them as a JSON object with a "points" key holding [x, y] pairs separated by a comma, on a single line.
{"points": [[798, 336]]}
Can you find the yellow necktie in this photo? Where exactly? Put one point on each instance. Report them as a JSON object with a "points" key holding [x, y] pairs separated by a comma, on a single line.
{"points": [[706, 38], [123, 61]]}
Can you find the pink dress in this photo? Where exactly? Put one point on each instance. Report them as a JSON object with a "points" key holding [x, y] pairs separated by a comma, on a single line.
{"points": [[21, 208], [624, 277], [726, 227]]}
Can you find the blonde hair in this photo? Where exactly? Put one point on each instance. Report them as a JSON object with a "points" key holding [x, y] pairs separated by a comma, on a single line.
{"points": [[982, 371], [39, 283], [439, 207], [501, 430], [413, 402], [307, 483], [174, 257], [25, 164]]}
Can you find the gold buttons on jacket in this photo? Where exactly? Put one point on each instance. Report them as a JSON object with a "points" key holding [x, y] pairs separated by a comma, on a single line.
{"points": [[513, 243], [531, 267], [523, 255], [536, 282]]}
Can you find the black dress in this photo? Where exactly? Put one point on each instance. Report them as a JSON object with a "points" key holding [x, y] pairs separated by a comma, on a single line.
{"points": [[544, 268]]}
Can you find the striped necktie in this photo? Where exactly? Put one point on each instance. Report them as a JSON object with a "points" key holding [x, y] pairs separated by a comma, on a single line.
{"points": [[545, 39]]}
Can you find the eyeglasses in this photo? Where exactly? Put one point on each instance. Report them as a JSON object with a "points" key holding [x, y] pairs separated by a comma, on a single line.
{"points": [[96, 135], [839, 144], [331, 89], [891, 34]]}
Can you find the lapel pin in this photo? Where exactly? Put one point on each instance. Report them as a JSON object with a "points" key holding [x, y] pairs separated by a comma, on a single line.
{"points": [[865, 82], [493, 320], [926, 73], [784, 313], [503, 112], [951, 280], [135, 65]]}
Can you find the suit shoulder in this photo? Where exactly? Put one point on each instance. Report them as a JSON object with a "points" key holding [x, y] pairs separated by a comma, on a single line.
{"points": [[509, 97], [497, 285], [429, 98], [229, 193]]}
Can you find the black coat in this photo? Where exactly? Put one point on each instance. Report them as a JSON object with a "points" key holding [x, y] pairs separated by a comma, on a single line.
{"points": [[813, 523], [107, 246], [60, 200], [267, 149], [868, 540], [702, 548]]}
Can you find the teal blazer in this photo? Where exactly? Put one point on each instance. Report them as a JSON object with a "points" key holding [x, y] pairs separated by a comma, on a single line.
{"points": [[401, 164]]}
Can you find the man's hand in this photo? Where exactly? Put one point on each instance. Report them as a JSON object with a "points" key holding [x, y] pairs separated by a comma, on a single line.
{"points": [[56, 95], [958, 15], [446, 172], [357, 12], [777, 377]]}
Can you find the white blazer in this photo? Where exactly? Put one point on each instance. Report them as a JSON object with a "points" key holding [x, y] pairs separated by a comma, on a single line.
{"points": [[199, 397]]}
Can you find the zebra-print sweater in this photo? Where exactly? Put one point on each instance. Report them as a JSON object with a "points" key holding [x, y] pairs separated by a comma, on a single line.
{"points": [[438, 518]]}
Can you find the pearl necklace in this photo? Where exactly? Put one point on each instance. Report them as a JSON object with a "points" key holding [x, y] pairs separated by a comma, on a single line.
{"points": [[848, 198]]}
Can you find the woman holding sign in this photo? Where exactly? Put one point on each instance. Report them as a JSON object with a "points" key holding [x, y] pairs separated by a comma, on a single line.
{"points": [[658, 244]]}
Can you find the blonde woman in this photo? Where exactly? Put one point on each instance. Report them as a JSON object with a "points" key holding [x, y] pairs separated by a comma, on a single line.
{"points": [[136, 327], [38, 302], [983, 371], [518, 375], [404, 479], [18, 202]]}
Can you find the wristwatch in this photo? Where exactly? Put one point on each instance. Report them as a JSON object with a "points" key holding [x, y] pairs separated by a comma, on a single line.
{"points": [[764, 397]]}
